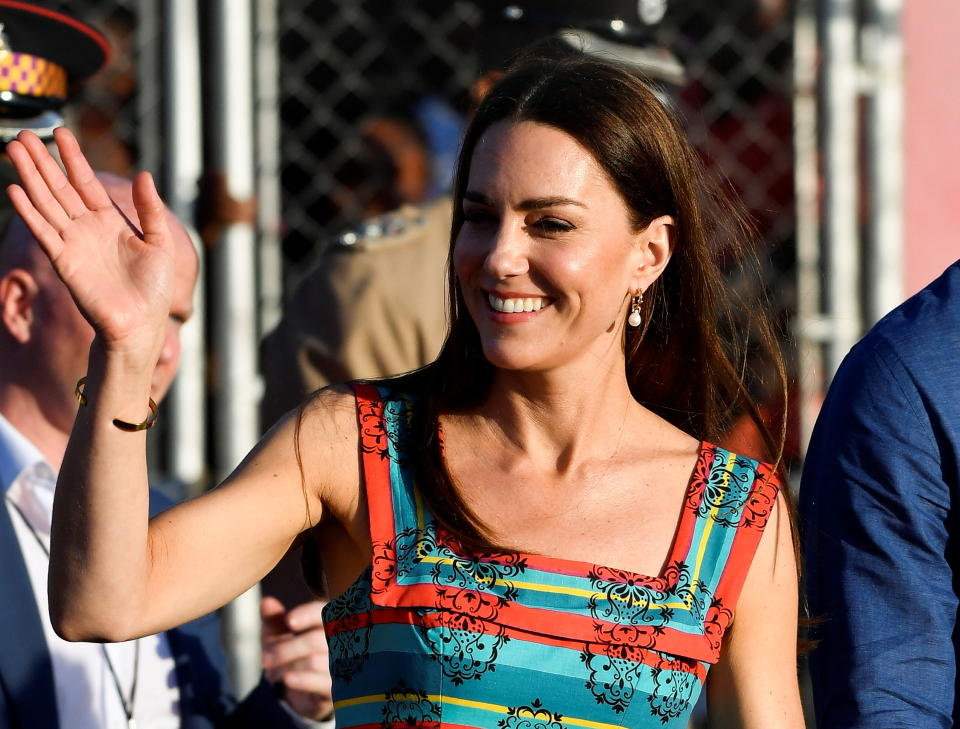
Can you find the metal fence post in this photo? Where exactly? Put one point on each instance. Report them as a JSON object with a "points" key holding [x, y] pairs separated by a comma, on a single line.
{"points": [[840, 178], [811, 327], [883, 51], [234, 294], [183, 162], [267, 106]]}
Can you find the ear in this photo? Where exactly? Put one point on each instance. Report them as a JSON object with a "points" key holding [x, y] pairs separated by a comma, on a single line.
{"points": [[18, 293], [655, 243]]}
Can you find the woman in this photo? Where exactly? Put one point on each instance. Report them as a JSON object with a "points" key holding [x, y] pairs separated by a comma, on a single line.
{"points": [[572, 553]]}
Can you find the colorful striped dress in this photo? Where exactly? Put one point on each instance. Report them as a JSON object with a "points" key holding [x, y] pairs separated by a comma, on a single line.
{"points": [[434, 635]]}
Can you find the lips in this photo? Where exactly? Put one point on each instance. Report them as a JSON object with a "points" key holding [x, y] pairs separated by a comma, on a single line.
{"points": [[516, 304]]}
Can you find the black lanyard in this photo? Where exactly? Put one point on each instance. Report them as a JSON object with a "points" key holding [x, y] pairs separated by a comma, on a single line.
{"points": [[127, 702]]}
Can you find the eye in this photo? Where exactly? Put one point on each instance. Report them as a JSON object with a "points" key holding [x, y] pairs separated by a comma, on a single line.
{"points": [[552, 226], [478, 216]]}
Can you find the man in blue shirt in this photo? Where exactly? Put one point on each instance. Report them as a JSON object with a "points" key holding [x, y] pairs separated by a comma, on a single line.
{"points": [[879, 513]]}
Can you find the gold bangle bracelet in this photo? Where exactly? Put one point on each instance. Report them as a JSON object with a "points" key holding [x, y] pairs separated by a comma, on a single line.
{"points": [[123, 425]]}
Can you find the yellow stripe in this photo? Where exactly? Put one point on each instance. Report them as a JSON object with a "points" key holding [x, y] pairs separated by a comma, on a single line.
{"points": [[482, 705], [711, 519], [537, 587]]}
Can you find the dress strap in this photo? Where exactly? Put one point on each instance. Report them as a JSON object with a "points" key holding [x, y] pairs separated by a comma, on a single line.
{"points": [[383, 417], [732, 497]]}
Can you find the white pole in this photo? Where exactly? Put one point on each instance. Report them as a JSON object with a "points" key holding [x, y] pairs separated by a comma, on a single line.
{"points": [[810, 323], [235, 317], [149, 110], [883, 47], [270, 259], [184, 164], [840, 179]]}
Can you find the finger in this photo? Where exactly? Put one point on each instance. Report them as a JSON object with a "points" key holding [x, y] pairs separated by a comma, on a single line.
{"points": [[36, 189], [306, 616], [295, 648], [273, 620], [151, 211], [311, 682], [79, 172], [48, 238], [56, 181]]}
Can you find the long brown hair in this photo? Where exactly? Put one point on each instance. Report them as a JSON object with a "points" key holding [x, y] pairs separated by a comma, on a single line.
{"points": [[688, 362]]}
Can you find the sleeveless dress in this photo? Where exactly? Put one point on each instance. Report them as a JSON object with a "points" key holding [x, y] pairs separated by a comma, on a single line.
{"points": [[434, 635]]}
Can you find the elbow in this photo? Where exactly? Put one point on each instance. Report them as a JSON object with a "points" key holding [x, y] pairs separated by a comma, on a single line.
{"points": [[73, 627]]}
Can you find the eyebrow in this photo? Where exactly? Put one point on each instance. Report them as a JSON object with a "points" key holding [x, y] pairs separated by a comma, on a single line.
{"points": [[535, 203]]}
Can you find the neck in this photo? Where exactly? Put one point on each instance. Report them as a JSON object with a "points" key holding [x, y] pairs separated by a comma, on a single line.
{"points": [[24, 412], [559, 418]]}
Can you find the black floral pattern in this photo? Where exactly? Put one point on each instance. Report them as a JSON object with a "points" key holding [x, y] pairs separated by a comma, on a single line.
{"points": [[396, 558], [762, 499], [627, 600], [719, 492], [695, 594], [375, 436], [478, 570], [715, 624], [534, 716], [406, 707], [676, 687], [350, 645], [614, 675], [464, 649]]}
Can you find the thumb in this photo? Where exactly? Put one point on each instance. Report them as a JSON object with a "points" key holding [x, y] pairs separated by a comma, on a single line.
{"points": [[273, 616], [151, 210]]}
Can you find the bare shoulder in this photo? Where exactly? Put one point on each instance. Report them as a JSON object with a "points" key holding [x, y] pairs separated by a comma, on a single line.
{"points": [[318, 440]]}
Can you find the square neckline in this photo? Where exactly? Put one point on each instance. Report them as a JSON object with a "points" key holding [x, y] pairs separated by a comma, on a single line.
{"points": [[677, 550]]}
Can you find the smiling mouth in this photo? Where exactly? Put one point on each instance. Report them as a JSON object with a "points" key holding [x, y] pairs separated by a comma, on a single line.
{"points": [[516, 305]]}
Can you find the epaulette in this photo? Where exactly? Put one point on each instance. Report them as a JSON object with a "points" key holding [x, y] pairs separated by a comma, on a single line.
{"points": [[382, 229]]}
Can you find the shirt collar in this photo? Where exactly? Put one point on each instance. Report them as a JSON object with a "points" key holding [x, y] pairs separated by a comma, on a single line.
{"points": [[26, 477]]}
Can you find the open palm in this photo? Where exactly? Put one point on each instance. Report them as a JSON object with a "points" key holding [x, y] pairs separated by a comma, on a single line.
{"points": [[121, 279]]}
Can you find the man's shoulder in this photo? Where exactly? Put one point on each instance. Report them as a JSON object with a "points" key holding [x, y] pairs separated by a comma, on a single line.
{"points": [[901, 379], [921, 334], [408, 227]]}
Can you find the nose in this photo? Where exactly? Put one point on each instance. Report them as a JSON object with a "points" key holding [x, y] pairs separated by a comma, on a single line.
{"points": [[507, 255]]}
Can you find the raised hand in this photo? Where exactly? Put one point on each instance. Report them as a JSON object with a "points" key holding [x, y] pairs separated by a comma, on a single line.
{"points": [[122, 281]]}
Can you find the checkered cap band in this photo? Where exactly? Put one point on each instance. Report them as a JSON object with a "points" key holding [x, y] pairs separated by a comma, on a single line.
{"points": [[31, 75]]}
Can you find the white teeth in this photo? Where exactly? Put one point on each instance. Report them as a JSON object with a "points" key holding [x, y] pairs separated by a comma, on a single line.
{"points": [[513, 306]]}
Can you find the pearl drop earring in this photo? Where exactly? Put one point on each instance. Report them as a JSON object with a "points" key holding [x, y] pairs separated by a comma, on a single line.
{"points": [[635, 319]]}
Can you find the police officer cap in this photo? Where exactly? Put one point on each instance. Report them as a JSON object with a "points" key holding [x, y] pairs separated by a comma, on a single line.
{"points": [[43, 53], [624, 19], [622, 30]]}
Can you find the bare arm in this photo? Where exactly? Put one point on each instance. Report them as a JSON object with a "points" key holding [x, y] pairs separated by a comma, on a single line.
{"points": [[112, 576], [754, 685]]}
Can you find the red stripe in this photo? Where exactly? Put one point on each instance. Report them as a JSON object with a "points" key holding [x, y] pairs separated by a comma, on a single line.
{"points": [[528, 624], [91, 33], [745, 542], [376, 470], [681, 644]]}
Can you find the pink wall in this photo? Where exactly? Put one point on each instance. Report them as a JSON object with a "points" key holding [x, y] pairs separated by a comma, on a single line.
{"points": [[932, 144]]}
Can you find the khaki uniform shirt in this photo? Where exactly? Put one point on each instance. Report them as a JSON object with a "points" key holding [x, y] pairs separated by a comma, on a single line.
{"points": [[374, 305]]}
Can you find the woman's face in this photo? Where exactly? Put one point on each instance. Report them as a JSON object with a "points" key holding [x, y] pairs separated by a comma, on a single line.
{"points": [[546, 257]]}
